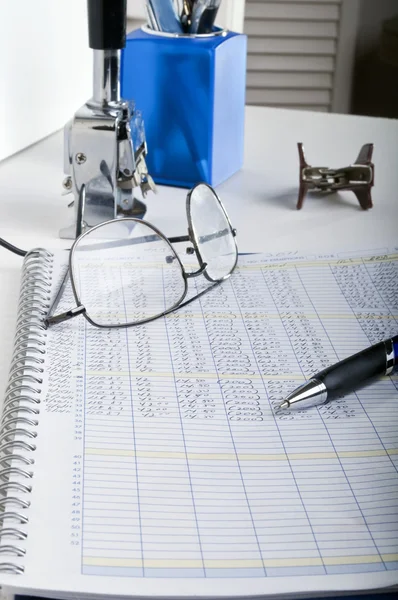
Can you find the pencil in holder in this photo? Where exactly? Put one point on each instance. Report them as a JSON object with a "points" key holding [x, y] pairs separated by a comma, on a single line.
{"points": [[190, 90]]}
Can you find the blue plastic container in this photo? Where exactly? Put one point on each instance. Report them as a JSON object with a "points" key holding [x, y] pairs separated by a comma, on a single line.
{"points": [[191, 92]]}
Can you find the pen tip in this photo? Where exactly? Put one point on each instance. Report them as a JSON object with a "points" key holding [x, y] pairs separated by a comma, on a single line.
{"points": [[284, 404]]}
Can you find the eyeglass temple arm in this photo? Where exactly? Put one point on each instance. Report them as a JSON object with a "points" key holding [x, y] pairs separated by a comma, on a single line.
{"points": [[203, 238], [179, 238], [69, 314], [155, 238], [51, 319], [133, 241]]}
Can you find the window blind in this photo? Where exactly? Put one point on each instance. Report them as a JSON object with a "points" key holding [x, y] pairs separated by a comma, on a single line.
{"points": [[294, 52]]}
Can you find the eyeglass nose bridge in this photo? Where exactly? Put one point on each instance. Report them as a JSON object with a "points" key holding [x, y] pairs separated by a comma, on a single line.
{"points": [[193, 274], [189, 275], [189, 250]]}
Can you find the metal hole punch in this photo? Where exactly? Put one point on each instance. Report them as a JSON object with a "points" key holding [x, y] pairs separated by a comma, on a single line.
{"points": [[358, 177], [104, 143]]}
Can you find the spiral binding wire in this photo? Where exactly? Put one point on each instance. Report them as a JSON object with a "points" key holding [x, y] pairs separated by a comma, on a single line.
{"points": [[21, 405]]}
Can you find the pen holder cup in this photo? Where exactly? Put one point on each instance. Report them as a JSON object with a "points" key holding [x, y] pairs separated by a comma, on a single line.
{"points": [[191, 93]]}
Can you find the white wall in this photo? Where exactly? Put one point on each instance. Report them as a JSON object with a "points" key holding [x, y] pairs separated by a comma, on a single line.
{"points": [[136, 9], [45, 68], [46, 64], [231, 15]]}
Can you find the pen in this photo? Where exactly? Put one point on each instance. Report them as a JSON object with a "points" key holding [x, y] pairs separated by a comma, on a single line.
{"points": [[162, 16], [345, 376], [204, 13], [184, 9]]}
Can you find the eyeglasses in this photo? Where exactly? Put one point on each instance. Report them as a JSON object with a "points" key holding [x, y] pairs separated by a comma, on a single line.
{"points": [[125, 272]]}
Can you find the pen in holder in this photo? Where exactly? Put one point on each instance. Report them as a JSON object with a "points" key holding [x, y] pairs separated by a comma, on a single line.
{"points": [[191, 92]]}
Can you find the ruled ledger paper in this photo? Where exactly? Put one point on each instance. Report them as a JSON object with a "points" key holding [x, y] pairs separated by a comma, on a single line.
{"points": [[181, 467]]}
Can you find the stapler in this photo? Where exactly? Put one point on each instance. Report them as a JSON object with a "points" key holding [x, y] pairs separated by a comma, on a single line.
{"points": [[104, 143]]}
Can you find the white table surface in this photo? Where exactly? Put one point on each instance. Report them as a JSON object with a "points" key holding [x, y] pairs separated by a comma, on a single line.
{"points": [[260, 199]]}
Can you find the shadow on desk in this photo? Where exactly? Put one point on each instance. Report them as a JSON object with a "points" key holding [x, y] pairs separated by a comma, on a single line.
{"points": [[288, 199]]}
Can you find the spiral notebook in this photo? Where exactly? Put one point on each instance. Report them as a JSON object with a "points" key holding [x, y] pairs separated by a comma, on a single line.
{"points": [[154, 461]]}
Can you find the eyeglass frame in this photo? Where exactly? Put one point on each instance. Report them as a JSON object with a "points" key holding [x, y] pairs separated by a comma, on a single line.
{"points": [[80, 309]]}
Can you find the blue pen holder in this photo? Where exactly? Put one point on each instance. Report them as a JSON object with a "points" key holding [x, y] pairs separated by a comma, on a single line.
{"points": [[191, 92]]}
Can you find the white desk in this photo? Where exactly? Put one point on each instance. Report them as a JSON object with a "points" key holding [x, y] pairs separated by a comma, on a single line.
{"points": [[260, 199]]}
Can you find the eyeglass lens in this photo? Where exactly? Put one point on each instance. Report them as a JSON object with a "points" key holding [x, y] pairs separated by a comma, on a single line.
{"points": [[125, 272], [212, 231]]}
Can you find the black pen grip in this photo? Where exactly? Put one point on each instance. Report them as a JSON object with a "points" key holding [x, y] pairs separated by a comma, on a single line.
{"points": [[351, 373]]}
